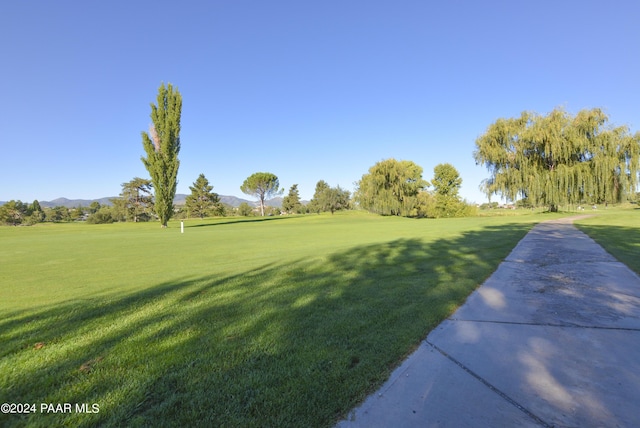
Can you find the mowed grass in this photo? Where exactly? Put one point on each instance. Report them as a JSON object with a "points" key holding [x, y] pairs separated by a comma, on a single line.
{"points": [[286, 321], [618, 231]]}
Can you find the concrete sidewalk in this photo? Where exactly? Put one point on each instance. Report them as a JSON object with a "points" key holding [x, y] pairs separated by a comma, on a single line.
{"points": [[551, 339]]}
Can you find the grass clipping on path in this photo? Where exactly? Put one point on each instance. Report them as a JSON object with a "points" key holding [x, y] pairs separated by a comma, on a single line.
{"points": [[270, 323]]}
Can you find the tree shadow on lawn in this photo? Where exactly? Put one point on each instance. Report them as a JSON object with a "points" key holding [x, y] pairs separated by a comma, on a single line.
{"points": [[281, 345], [238, 220]]}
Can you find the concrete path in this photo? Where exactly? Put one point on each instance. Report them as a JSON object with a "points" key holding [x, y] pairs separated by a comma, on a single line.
{"points": [[551, 339]]}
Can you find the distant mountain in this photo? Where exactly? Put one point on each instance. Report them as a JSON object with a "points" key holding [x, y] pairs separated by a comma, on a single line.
{"points": [[178, 200], [72, 203], [233, 201]]}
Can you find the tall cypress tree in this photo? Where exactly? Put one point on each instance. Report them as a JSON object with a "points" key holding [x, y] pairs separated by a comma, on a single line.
{"points": [[162, 145]]}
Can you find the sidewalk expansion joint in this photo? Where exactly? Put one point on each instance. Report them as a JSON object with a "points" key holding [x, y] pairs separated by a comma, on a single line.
{"points": [[594, 327], [491, 387]]}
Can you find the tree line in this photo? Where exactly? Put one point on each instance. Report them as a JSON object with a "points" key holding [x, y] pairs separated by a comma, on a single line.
{"points": [[553, 160]]}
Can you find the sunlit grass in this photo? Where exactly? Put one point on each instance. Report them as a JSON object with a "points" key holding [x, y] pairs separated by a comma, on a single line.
{"points": [[275, 322], [618, 231]]}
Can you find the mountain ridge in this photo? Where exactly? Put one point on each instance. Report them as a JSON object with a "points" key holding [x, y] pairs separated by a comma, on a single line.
{"points": [[179, 199]]}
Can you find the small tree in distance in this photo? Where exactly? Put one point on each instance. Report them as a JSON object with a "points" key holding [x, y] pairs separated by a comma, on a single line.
{"points": [[328, 198], [291, 202], [263, 185], [245, 209], [446, 180], [391, 188], [137, 199], [202, 201]]}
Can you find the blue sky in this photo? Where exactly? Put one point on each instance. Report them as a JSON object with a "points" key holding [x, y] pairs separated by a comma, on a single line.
{"points": [[307, 90]]}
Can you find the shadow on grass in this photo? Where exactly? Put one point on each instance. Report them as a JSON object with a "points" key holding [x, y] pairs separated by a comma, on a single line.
{"points": [[239, 220], [281, 345]]}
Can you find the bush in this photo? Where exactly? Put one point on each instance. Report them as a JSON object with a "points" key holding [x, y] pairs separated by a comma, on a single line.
{"points": [[245, 209], [102, 216]]}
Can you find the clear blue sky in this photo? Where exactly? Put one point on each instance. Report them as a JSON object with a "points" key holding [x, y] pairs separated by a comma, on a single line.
{"points": [[307, 90]]}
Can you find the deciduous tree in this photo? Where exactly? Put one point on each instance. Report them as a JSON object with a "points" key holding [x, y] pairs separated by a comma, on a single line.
{"points": [[13, 212], [391, 188], [328, 198], [446, 180], [162, 146], [446, 184], [559, 158], [245, 210]]}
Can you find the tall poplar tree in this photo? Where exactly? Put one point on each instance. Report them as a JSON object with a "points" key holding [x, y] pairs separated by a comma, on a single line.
{"points": [[162, 145], [559, 158]]}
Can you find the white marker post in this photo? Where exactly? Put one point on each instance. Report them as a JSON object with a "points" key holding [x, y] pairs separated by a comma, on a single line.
{"points": [[182, 227]]}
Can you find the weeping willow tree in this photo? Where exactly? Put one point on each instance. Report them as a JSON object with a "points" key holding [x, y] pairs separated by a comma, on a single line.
{"points": [[162, 145], [391, 187], [559, 158]]}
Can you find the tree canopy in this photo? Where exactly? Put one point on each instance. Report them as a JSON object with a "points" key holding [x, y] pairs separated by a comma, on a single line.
{"points": [[559, 158], [162, 146], [263, 185], [391, 187]]}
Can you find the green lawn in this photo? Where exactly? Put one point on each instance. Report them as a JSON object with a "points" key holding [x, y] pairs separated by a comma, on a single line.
{"points": [[284, 321], [618, 231]]}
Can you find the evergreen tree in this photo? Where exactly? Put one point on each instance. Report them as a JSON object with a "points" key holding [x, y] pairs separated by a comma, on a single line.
{"points": [[316, 203], [291, 202], [202, 201], [263, 185], [137, 199], [162, 146], [559, 158]]}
